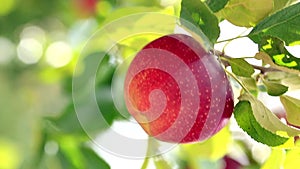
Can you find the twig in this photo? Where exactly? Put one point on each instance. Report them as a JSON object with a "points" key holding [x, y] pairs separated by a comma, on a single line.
{"points": [[226, 63], [231, 39]]}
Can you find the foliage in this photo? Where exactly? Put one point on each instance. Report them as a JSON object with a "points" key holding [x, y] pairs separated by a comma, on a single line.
{"points": [[38, 121]]}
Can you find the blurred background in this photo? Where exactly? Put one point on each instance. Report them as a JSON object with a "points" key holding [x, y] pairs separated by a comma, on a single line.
{"points": [[40, 42]]}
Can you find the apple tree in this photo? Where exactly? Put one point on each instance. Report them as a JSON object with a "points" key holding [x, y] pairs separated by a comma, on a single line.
{"points": [[152, 82]]}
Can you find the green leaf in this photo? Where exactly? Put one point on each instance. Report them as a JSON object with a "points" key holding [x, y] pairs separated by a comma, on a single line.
{"points": [[292, 108], [216, 5], [279, 55], [241, 67], [276, 75], [275, 88], [69, 152], [214, 148], [276, 159], [131, 45], [92, 160], [245, 119], [125, 22], [106, 105], [284, 25], [67, 122], [160, 163], [267, 119], [290, 80], [65, 162], [293, 82], [267, 59], [246, 13], [202, 17], [126, 11], [103, 89], [279, 4], [74, 154]]}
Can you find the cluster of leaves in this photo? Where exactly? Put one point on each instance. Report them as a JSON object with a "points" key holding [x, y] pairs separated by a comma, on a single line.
{"points": [[275, 24]]}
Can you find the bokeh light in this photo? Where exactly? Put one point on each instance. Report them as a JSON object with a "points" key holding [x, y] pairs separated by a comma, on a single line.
{"points": [[51, 147], [8, 50], [9, 155], [34, 32], [29, 50], [58, 54]]}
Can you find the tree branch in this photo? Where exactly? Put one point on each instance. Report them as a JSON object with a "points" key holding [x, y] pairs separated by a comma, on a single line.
{"points": [[226, 63]]}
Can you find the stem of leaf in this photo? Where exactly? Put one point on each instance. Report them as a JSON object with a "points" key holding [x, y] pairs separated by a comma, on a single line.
{"points": [[237, 80], [231, 39]]}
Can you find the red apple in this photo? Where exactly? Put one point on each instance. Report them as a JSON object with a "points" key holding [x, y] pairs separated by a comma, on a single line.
{"points": [[177, 90]]}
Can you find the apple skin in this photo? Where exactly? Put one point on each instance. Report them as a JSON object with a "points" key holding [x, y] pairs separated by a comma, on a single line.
{"points": [[177, 90]]}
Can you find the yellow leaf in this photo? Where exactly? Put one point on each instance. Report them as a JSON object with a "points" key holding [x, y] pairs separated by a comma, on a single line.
{"points": [[246, 12]]}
